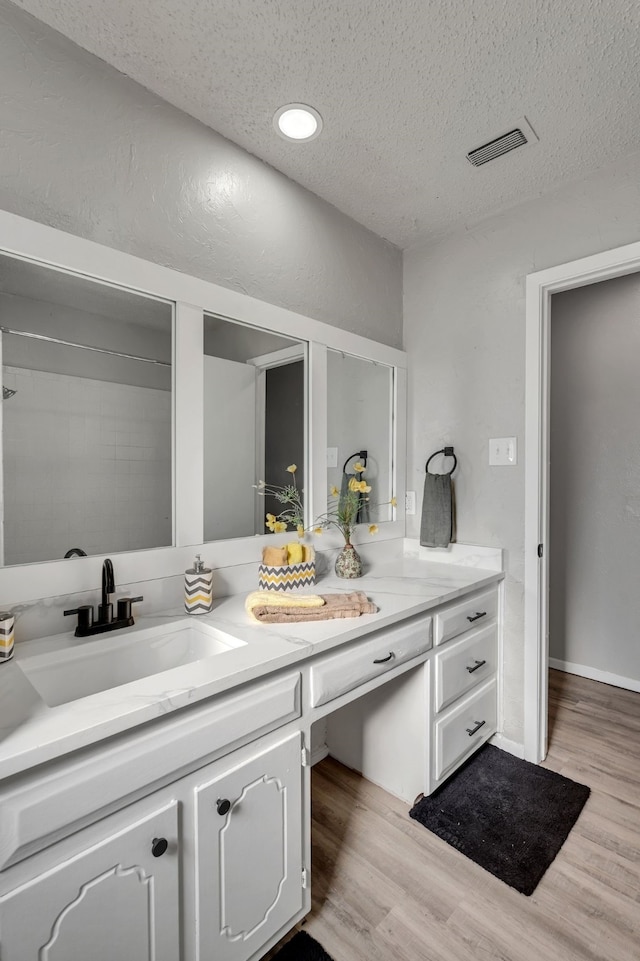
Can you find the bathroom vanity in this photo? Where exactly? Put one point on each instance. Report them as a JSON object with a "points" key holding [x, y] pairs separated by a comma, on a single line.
{"points": [[169, 817]]}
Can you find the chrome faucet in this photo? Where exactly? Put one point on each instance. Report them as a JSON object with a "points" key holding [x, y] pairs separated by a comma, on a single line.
{"points": [[106, 621]]}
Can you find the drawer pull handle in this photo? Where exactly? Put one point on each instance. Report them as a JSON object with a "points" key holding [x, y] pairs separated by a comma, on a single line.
{"points": [[476, 665], [383, 660], [472, 730], [477, 616], [222, 806]]}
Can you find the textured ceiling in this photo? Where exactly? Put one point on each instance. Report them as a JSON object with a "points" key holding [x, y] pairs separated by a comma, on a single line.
{"points": [[406, 88]]}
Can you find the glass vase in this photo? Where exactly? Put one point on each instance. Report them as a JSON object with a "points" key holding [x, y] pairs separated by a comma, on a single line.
{"points": [[348, 562]]}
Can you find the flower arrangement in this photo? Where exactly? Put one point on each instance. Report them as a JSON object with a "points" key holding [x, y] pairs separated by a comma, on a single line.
{"points": [[292, 515], [342, 514]]}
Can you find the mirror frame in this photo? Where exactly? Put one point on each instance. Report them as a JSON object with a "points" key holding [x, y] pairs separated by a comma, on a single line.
{"points": [[193, 298]]}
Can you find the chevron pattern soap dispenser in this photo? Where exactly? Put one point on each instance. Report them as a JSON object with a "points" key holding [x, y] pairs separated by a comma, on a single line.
{"points": [[198, 588]]}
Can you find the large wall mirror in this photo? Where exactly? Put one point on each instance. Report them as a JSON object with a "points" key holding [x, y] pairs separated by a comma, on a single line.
{"points": [[360, 418], [140, 406], [85, 417], [254, 423]]}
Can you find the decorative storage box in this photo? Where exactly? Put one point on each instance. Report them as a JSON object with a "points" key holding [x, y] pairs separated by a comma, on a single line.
{"points": [[286, 578], [7, 622]]}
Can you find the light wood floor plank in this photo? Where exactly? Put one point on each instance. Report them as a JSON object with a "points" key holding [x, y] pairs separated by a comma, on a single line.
{"points": [[386, 889]]}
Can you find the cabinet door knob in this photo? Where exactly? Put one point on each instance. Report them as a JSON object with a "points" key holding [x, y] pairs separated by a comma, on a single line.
{"points": [[223, 805], [159, 846]]}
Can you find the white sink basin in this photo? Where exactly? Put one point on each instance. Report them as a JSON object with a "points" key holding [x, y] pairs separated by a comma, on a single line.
{"points": [[82, 667]]}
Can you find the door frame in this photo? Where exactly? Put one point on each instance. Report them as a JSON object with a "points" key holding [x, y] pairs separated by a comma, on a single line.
{"points": [[539, 288]]}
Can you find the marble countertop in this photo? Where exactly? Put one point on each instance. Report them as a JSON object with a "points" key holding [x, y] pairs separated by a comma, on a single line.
{"points": [[32, 733]]}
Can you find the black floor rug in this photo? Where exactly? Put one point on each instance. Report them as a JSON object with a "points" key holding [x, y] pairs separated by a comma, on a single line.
{"points": [[302, 947], [507, 815]]}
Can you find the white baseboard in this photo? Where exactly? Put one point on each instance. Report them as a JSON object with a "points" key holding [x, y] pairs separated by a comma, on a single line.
{"points": [[629, 683], [319, 753], [511, 747]]}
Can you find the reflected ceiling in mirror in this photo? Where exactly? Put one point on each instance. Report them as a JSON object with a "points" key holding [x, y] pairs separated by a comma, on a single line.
{"points": [[85, 418], [359, 420], [255, 413]]}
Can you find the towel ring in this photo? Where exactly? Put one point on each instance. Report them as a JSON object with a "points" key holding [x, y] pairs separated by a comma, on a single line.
{"points": [[362, 454], [448, 452]]}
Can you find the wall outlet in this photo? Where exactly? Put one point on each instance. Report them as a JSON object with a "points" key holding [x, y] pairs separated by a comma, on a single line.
{"points": [[332, 456], [503, 451], [410, 502]]}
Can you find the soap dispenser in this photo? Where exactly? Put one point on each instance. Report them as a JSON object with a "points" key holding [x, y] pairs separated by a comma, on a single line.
{"points": [[198, 588]]}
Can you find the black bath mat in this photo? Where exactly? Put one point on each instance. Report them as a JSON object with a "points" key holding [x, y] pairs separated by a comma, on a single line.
{"points": [[509, 816], [302, 947]]}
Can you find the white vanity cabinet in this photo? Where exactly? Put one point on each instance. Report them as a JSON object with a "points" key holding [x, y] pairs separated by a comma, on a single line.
{"points": [[465, 669], [188, 838], [410, 734], [113, 892], [249, 852], [210, 865]]}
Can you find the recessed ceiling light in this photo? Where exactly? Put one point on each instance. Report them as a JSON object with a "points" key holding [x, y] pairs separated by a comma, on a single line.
{"points": [[297, 121]]}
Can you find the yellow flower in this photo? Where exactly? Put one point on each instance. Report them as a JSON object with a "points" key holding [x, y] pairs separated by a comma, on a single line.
{"points": [[394, 501], [300, 530], [334, 491], [317, 530], [271, 518], [360, 486], [292, 468], [359, 468], [279, 527], [373, 528]]}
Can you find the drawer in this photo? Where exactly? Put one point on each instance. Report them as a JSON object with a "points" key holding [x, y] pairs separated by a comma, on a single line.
{"points": [[465, 663], [338, 673], [468, 613], [452, 741]]}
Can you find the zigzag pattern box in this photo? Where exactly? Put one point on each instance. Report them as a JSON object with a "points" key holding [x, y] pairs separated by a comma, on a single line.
{"points": [[286, 578], [7, 621]]}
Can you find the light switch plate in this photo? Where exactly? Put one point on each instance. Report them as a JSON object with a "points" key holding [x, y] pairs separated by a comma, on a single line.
{"points": [[503, 451], [332, 456], [410, 502]]}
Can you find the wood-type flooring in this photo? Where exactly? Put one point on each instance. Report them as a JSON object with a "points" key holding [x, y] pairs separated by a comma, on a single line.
{"points": [[386, 889]]}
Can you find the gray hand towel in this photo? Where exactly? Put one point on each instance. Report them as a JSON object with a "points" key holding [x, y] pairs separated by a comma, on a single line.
{"points": [[362, 517], [436, 526]]}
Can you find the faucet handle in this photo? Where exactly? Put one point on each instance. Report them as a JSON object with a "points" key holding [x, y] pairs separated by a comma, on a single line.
{"points": [[85, 617], [124, 607]]}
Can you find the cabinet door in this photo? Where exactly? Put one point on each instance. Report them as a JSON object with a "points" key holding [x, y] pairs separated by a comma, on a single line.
{"points": [[249, 852], [112, 900]]}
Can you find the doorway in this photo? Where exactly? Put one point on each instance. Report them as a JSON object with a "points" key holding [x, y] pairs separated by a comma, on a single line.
{"points": [[540, 287]]}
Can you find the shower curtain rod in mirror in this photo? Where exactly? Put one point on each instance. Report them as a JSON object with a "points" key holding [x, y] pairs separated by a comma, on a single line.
{"points": [[97, 350]]}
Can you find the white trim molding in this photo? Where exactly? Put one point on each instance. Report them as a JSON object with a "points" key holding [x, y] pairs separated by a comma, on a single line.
{"points": [[539, 288], [594, 674]]}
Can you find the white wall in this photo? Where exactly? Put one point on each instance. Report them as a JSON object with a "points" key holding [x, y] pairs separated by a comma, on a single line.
{"points": [[594, 607], [464, 335], [86, 464], [89, 151]]}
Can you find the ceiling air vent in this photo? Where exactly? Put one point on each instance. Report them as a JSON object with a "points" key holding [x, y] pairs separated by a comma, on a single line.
{"points": [[496, 148]]}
